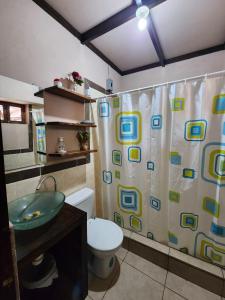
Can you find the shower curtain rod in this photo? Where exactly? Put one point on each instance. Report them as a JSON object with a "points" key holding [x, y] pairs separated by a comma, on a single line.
{"points": [[165, 83]]}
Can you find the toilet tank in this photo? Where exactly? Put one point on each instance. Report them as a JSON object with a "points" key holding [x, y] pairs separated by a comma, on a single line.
{"points": [[84, 200]]}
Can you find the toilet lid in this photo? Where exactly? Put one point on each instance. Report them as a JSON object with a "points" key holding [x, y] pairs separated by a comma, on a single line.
{"points": [[103, 235]]}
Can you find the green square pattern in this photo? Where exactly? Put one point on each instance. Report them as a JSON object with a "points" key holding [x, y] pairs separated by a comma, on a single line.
{"points": [[116, 102], [117, 157], [117, 174], [118, 219], [174, 196], [177, 104]]}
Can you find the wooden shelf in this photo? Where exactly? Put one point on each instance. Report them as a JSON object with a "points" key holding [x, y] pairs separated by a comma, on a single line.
{"points": [[69, 154], [64, 124], [66, 93]]}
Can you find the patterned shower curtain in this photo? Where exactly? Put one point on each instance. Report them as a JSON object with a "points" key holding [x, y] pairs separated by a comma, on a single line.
{"points": [[163, 164]]}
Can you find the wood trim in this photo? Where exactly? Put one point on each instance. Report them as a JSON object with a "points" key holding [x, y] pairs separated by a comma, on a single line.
{"points": [[103, 57], [65, 93], [142, 68], [30, 137], [59, 18], [7, 281], [6, 112], [195, 54], [42, 170], [111, 23], [155, 40], [116, 20], [176, 59], [88, 83]]}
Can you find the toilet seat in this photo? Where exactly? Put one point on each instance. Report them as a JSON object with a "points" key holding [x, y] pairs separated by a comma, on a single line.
{"points": [[103, 235]]}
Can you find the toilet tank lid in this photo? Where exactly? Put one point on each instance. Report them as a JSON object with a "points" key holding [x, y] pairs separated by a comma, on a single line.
{"points": [[79, 196]]}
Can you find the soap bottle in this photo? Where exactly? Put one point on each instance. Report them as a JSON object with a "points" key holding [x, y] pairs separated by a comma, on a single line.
{"points": [[61, 148]]}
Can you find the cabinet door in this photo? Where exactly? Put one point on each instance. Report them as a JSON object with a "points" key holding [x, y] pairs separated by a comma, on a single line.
{"points": [[7, 283]]}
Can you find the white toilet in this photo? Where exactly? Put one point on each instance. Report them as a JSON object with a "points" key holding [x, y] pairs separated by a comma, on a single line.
{"points": [[103, 236]]}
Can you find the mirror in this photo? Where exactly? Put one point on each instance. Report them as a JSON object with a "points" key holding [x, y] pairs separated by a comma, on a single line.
{"points": [[19, 111]]}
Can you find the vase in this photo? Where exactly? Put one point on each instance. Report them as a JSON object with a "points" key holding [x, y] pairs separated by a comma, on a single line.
{"points": [[84, 146], [75, 87]]}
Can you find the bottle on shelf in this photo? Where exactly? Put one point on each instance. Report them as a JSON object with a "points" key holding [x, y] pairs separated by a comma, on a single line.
{"points": [[61, 147]]}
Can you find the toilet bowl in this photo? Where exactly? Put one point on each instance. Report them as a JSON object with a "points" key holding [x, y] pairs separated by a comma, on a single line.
{"points": [[104, 237]]}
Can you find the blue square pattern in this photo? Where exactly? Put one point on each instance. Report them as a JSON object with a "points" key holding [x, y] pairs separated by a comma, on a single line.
{"points": [[107, 177], [175, 159], [196, 130], [220, 104], [104, 109], [224, 128], [150, 165], [189, 221], [155, 203], [128, 128], [211, 207], [156, 122], [129, 200]]}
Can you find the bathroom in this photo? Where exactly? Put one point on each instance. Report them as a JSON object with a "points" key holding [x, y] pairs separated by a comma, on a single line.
{"points": [[112, 134]]}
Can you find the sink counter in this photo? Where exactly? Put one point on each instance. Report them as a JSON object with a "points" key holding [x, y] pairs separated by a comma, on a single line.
{"points": [[66, 238]]}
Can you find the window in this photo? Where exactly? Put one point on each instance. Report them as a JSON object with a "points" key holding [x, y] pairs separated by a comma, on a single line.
{"points": [[12, 112]]}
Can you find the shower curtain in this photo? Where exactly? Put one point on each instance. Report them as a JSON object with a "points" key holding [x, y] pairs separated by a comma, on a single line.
{"points": [[163, 164]]}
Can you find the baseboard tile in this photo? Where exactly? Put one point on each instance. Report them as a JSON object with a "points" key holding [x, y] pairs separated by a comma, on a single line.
{"points": [[208, 276]]}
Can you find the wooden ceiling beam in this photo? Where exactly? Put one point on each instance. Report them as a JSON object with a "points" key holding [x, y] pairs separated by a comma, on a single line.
{"points": [[61, 20], [155, 40], [116, 20], [179, 58]]}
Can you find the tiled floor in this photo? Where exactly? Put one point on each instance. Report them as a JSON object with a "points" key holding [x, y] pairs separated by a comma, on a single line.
{"points": [[136, 278]]}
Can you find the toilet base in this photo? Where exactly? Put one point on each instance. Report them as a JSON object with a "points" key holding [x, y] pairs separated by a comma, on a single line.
{"points": [[101, 267]]}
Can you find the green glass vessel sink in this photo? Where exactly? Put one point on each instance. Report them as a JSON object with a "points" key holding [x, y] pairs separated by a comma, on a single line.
{"points": [[34, 210]]}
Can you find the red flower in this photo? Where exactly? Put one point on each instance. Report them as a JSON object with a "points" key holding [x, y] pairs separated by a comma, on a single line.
{"points": [[75, 75]]}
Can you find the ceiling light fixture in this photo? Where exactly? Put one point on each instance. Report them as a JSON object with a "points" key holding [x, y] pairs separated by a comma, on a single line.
{"points": [[142, 13], [142, 24]]}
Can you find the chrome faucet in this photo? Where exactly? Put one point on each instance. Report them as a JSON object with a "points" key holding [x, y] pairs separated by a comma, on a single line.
{"points": [[42, 180]]}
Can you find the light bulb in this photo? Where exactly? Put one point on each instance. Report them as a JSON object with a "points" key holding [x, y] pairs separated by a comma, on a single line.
{"points": [[142, 24], [142, 12]]}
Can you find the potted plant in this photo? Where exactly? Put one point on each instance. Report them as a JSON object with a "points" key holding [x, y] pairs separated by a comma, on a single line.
{"points": [[83, 138], [77, 79]]}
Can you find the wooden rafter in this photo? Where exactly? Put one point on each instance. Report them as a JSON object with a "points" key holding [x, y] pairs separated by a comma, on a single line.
{"points": [[109, 25], [177, 59], [155, 40], [116, 20]]}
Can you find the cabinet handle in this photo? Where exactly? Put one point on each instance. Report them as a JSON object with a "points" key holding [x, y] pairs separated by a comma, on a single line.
{"points": [[7, 282]]}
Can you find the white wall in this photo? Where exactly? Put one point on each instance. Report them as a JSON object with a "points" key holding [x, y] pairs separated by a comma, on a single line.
{"points": [[34, 48], [187, 68]]}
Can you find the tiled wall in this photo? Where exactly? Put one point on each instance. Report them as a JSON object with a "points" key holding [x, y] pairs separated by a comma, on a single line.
{"points": [[68, 181], [19, 160]]}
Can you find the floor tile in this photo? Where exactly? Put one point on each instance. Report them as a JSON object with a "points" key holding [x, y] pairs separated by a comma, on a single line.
{"points": [[170, 295], [146, 267], [126, 233], [133, 285], [121, 253], [97, 287], [187, 289]]}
